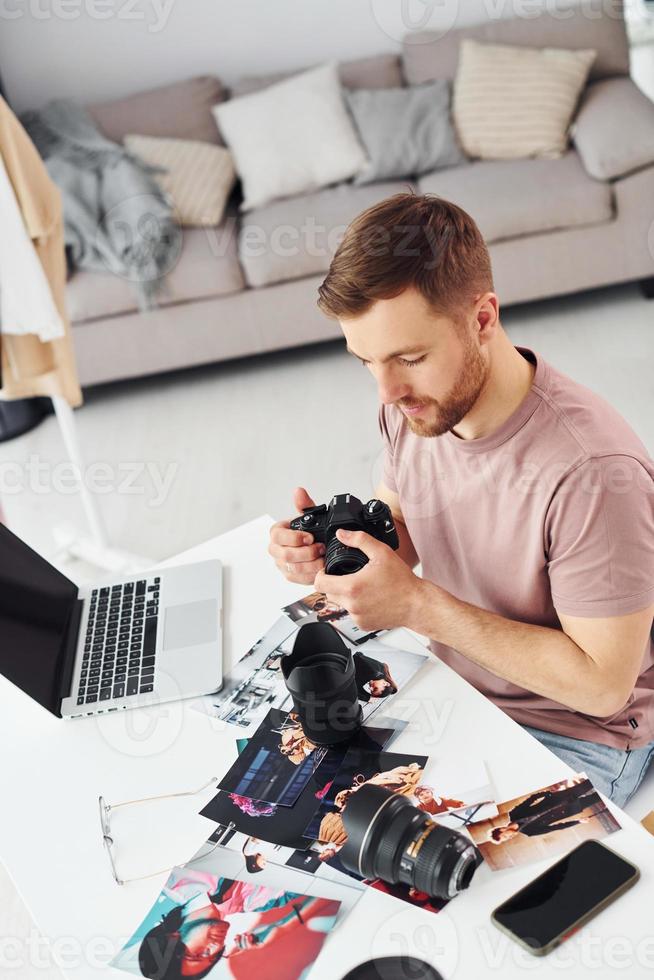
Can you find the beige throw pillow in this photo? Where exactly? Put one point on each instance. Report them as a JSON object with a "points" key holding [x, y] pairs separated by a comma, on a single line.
{"points": [[516, 102], [199, 177]]}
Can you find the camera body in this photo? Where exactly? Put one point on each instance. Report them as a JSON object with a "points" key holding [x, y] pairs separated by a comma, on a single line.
{"points": [[346, 511]]}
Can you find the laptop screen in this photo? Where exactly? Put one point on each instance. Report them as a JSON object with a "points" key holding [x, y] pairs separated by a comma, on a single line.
{"points": [[36, 602]]}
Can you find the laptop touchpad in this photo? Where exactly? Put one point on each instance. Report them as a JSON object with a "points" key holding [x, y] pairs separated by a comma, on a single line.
{"points": [[190, 624]]}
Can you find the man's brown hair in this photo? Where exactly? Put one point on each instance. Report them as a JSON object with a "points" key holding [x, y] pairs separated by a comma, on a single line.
{"points": [[408, 240]]}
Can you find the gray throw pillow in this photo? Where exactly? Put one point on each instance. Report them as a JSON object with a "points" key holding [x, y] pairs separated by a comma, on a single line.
{"points": [[405, 131]]}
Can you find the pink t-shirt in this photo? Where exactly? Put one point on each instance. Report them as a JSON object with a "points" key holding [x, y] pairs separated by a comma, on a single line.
{"points": [[552, 511]]}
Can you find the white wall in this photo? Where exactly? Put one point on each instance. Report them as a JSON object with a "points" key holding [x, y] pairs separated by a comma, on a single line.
{"points": [[96, 49]]}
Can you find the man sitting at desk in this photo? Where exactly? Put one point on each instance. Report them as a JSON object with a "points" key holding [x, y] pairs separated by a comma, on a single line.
{"points": [[527, 499]]}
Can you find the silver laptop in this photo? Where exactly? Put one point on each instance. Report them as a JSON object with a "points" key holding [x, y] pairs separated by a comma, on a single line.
{"points": [[143, 639]]}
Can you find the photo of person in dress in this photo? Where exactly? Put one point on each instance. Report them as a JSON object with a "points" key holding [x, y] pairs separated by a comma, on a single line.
{"points": [[543, 823], [373, 678], [394, 771]]}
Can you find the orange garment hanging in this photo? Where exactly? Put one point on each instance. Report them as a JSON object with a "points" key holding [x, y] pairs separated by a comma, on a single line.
{"points": [[31, 367]]}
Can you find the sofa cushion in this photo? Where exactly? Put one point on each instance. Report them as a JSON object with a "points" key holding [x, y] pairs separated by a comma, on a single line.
{"points": [[291, 138], [379, 71], [181, 111], [614, 129], [404, 130], [512, 102], [198, 177], [508, 198], [208, 266], [428, 55], [297, 237]]}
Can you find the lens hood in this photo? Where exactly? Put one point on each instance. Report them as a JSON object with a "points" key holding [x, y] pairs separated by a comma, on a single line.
{"points": [[320, 677]]}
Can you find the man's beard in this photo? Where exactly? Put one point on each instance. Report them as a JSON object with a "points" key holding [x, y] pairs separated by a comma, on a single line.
{"points": [[465, 392]]}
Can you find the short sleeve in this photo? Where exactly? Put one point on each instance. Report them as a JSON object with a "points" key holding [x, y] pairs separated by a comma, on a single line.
{"points": [[599, 538], [388, 467]]}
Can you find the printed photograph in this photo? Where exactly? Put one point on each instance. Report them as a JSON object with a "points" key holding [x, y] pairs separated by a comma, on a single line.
{"points": [[276, 763], [382, 671], [461, 819], [316, 608], [255, 684], [210, 920], [461, 787], [393, 770], [543, 824], [322, 861], [285, 825], [410, 895]]}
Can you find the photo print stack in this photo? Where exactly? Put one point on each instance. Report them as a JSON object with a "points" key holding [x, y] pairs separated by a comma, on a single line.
{"points": [[267, 888]]}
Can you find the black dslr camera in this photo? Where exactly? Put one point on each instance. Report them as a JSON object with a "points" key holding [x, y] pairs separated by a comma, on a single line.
{"points": [[346, 511]]}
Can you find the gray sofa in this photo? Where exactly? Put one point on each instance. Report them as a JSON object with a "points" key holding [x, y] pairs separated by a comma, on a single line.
{"points": [[554, 226]]}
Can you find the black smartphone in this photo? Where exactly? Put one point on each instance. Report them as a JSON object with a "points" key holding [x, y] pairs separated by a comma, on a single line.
{"points": [[552, 907]]}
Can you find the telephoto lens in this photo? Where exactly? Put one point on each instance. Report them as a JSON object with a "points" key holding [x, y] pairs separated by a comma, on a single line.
{"points": [[320, 677], [389, 838]]}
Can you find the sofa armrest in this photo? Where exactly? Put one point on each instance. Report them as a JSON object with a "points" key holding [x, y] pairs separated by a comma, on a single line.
{"points": [[614, 128]]}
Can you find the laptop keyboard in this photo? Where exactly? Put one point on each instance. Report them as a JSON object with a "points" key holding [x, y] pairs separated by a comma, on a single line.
{"points": [[119, 646]]}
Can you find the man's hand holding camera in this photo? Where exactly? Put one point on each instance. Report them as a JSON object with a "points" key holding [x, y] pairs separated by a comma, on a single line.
{"points": [[298, 557], [359, 571], [383, 594]]}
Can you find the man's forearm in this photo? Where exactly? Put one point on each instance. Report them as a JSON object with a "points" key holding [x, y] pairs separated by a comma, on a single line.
{"points": [[406, 551], [537, 658]]}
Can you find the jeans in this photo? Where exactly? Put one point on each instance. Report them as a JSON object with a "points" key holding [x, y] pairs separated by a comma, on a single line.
{"points": [[615, 772]]}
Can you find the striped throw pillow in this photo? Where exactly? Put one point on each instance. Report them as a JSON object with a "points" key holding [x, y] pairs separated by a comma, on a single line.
{"points": [[199, 176], [516, 102]]}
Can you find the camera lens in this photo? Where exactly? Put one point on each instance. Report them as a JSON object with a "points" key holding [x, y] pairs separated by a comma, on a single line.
{"points": [[321, 679], [343, 560], [388, 838]]}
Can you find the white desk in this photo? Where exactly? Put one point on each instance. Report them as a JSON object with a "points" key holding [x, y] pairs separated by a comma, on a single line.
{"points": [[53, 772]]}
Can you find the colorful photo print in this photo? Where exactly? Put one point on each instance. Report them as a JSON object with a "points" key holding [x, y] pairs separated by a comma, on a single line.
{"points": [[255, 684], [544, 823], [459, 786], [396, 771], [285, 825], [277, 762], [210, 920], [322, 861], [316, 608], [412, 896]]}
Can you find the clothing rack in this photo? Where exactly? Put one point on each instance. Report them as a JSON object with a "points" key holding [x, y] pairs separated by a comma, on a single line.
{"points": [[94, 547]]}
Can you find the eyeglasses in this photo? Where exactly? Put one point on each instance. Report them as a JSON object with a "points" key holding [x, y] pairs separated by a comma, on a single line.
{"points": [[106, 809]]}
